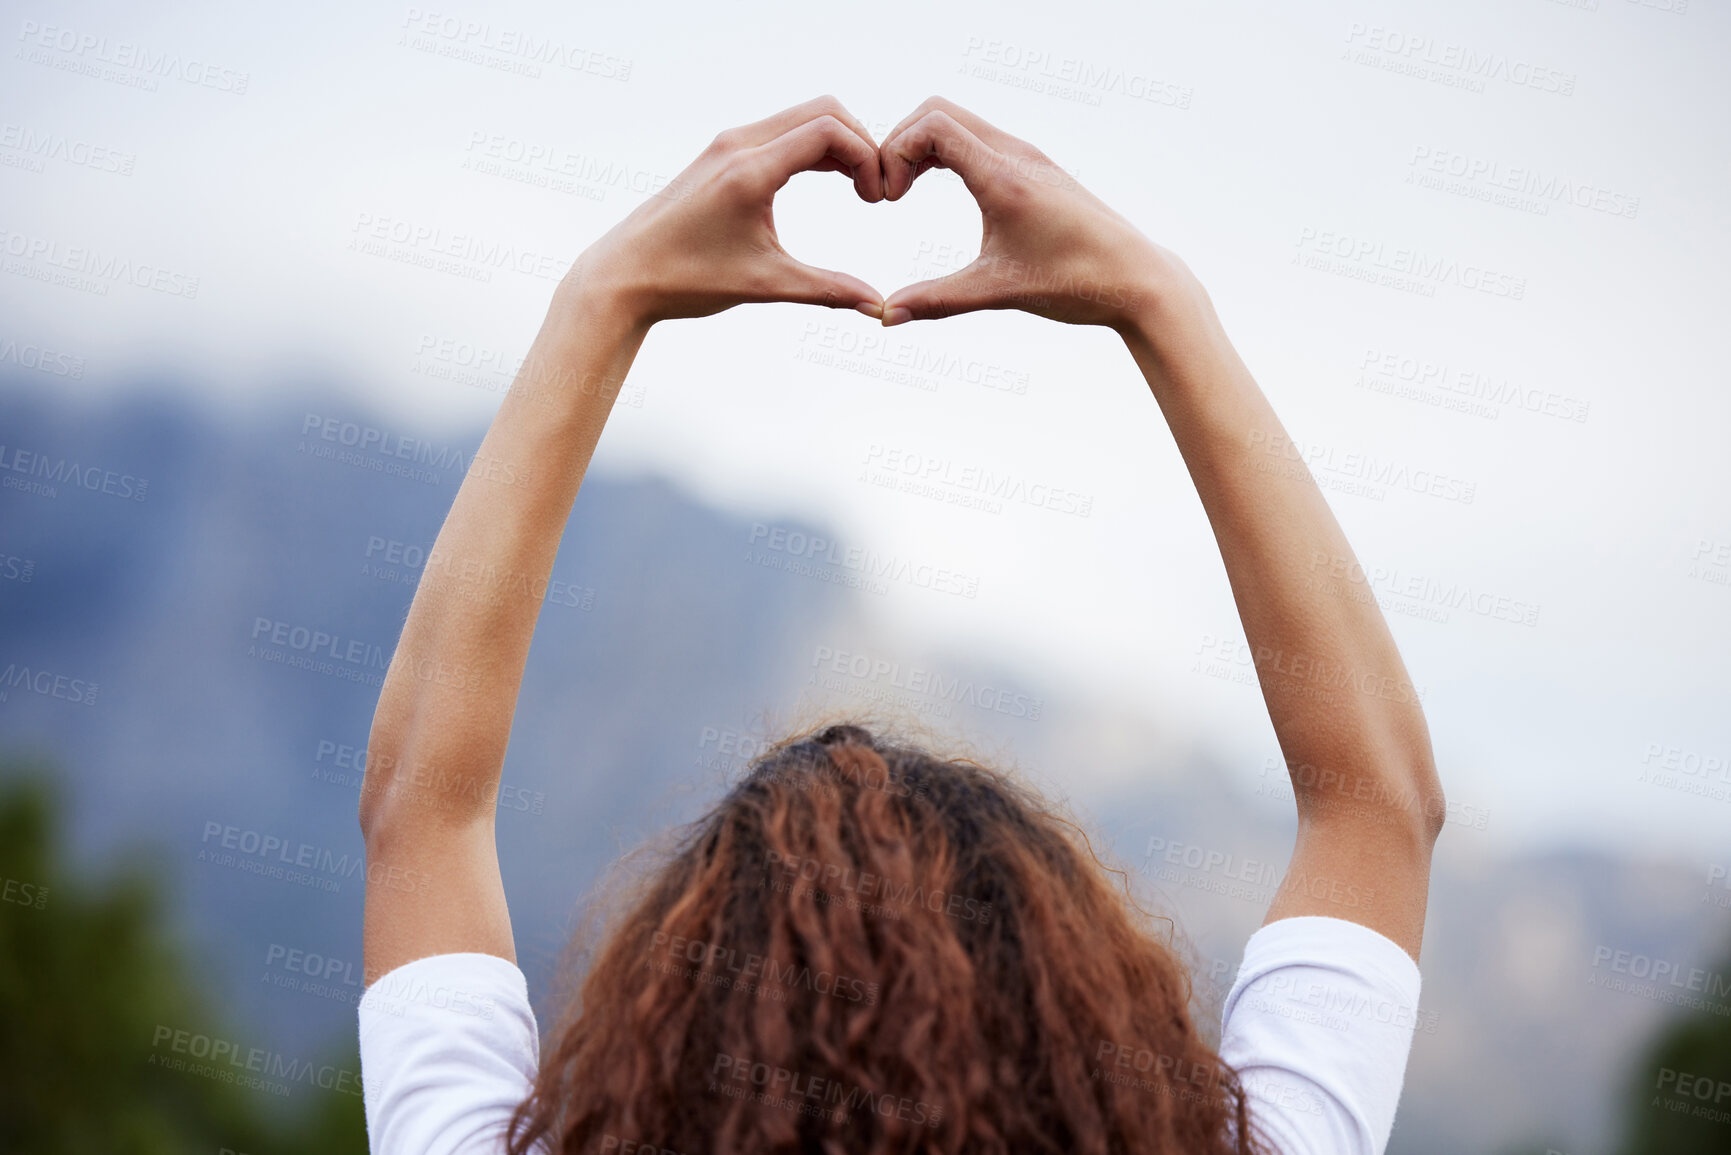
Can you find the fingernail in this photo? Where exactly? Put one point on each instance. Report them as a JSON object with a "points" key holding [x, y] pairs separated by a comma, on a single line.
{"points": [[896, 314], [871, 308]]}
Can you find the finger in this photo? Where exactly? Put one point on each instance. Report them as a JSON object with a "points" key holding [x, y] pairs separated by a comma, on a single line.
{"points": [[978, 125], [963, 291], [770, 127], [823, 144], [941, 140], [809, 285]]}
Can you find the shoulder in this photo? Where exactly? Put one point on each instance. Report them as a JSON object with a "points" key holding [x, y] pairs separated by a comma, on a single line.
{"points": [[449, 1048], [1319, 1024]]}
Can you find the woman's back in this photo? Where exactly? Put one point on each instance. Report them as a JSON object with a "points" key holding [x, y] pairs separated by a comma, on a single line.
{"points": [[864, 948]]}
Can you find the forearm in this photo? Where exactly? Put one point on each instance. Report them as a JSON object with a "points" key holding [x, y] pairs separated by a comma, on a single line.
{"points": [[444, 713], [1342, 705]]}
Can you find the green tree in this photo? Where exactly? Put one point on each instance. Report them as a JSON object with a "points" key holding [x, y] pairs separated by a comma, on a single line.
{"points": [[87, 977], [1680, 1095]]}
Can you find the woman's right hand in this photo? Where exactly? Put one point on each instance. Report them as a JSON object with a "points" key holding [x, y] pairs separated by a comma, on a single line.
{"points": [[1049, 246]]}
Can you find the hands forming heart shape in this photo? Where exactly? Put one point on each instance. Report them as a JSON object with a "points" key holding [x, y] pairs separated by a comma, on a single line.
{"points": [[707, 242]]}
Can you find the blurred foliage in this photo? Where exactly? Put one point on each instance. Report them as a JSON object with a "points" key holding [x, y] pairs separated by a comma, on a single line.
{"points": [[1679, 1097], [87, 975]]}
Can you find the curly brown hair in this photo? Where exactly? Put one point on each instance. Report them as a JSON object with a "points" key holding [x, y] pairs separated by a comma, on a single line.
{"points": [[865, 949]]}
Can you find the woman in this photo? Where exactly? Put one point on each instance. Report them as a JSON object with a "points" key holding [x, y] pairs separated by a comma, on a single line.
{"points": [[864, 948]]}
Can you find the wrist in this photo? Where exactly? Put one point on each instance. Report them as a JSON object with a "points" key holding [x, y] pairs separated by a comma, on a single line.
{"points": [[597, 293], [584, 349], [1167, 300], [1203, 387]]}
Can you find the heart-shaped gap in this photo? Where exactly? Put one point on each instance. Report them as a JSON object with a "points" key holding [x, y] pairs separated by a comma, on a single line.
{"points": [[932, 231]]}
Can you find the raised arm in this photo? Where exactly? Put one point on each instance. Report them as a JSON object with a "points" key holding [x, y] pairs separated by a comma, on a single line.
{"points": [[1349, 723], [438, 739]]}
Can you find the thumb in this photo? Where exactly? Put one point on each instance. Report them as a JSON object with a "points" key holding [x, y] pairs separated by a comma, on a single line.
{"points": [[966, 290], [810, 285]]}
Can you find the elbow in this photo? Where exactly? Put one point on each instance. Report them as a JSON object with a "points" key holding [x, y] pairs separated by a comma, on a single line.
{"points": [[382, 755], [390, 740], [1435, 815], [1432, 803], [1420, 785], [368, 813]]}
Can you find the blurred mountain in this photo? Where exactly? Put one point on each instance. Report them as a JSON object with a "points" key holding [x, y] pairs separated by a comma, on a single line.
{"points": [[664, 652], [195, 736]]}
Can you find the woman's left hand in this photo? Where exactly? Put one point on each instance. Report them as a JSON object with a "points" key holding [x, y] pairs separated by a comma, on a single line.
{"points": [[707, 241]]}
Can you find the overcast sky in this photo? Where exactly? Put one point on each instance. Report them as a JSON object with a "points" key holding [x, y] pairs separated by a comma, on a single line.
{"points": [[1534, 412]]}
